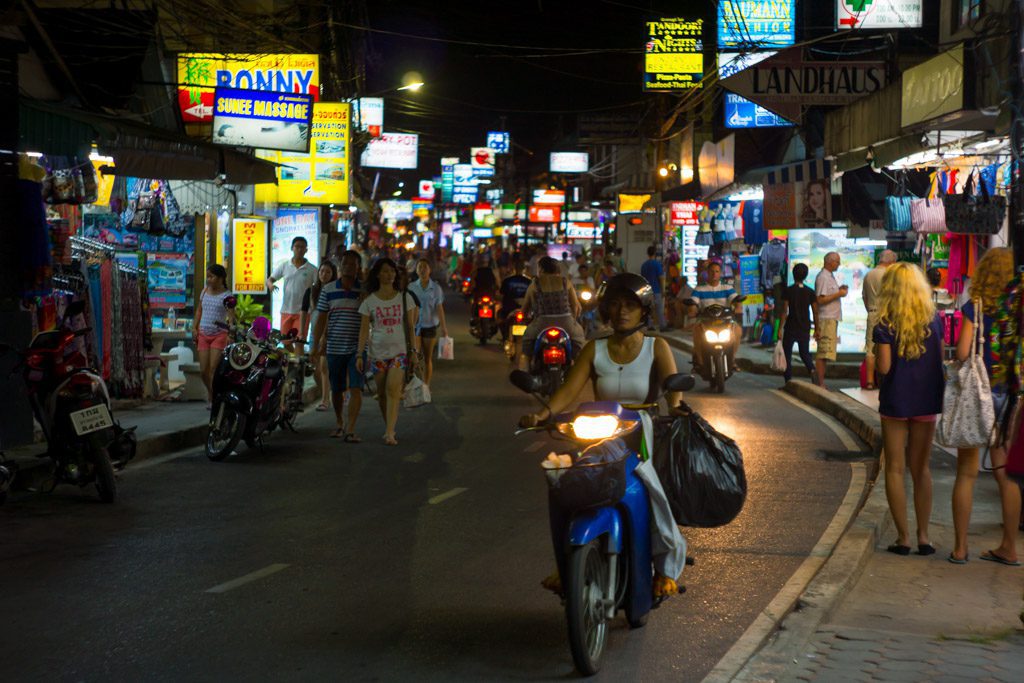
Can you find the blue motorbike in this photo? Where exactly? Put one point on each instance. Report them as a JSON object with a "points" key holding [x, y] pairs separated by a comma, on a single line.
{"points": [[600, 519]]}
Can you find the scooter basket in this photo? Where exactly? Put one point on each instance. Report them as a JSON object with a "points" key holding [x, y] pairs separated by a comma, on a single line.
{"points": [[588, 485]]}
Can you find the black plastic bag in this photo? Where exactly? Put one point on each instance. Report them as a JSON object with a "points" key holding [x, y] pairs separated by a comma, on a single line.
{"points": [[701, 471]]}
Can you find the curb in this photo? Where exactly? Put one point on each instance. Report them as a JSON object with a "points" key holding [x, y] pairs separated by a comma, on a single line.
{"points": [[785, 646], [836, 370]]}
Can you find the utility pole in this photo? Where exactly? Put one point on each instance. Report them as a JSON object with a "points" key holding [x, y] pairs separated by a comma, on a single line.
{"points": [[1017, 145]]}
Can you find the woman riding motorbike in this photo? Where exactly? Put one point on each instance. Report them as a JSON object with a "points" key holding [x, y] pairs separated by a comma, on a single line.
{"points": [[552, 300], [627, 367]]}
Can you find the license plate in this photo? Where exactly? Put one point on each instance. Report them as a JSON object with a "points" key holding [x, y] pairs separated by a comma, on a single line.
{"points": [[518, 330], [91, 420]]}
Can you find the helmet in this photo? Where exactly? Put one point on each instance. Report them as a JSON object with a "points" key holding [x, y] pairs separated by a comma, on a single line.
{"points": [[260, 329], [629, 284]]}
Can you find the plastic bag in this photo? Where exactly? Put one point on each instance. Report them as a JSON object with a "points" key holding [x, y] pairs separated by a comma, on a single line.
{"points": [[417, 393], [446, 348], [701, 471], [779, 357]]}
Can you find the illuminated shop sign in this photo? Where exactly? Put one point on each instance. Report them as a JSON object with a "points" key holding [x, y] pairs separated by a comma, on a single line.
{"points": [[268, 120], [758, 24], [674, 55]]}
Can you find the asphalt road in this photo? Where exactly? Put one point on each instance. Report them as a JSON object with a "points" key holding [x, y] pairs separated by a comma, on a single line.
{"points": [[366, 562]]}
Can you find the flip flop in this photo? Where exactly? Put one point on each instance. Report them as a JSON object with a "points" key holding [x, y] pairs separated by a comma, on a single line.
{"points": [[352, 437], [925, 549], [898, 549], [323, 407], [956, 560], [390, 441], [992, 556], [337, 433]]}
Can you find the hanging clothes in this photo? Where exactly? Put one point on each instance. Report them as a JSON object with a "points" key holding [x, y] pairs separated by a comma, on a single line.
{"points": [[772, 262]]}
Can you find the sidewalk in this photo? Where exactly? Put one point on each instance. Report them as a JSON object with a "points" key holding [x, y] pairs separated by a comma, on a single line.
{"points": [[873, 616], [752, 357]]}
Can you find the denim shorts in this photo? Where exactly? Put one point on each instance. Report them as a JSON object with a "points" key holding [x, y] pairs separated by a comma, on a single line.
{"points": [[342, 371]]}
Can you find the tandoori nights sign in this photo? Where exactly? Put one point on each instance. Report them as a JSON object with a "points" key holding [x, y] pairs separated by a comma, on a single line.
{"points": [[674, 58]]}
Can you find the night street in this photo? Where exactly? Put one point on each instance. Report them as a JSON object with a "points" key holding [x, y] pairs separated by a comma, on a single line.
{"points": [[377, 563]]}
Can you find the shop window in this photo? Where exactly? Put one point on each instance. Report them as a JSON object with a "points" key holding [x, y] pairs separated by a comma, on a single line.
{"points": [[966, 12]]}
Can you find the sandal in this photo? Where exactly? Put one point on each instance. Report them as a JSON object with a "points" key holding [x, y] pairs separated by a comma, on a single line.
{"points": [[957, 560], [869, 387], [390, 441], [322, 408], [993, 556], [898, 549], [925, 549], [352, 437], [337, 433]]}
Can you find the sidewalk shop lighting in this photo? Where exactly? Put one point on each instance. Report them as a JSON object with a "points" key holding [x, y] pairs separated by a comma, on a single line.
{"points": [[663, 172], [748, 194], [396, 193]]}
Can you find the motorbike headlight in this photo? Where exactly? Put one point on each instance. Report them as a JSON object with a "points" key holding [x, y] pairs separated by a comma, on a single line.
{"points": [[240, 356], [724, 336], [594, 427], [710, 336], [586, 295]]}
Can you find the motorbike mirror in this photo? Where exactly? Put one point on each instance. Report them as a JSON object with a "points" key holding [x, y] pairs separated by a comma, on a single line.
{"points": [[740, 299], [523, 381], [230, 302], [74, 308], [678, 382], [293, 333]]}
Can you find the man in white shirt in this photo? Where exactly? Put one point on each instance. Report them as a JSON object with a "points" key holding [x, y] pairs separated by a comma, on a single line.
{"points": [[297, 275], [830, 312], [870, 289]]}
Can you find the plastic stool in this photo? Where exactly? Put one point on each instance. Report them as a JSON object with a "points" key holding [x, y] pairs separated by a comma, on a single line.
{"points": [[195, 390]]}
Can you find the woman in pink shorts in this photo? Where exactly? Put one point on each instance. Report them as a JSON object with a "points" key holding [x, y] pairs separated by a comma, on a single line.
{"points": [[210, 340], [908, 355]]}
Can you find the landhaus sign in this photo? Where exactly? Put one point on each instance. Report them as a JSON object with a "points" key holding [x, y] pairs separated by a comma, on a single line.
{"points": [[787, 80]]}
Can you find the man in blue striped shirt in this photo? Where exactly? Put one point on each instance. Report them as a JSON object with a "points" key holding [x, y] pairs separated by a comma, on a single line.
{"points": [[714, 292], [337, 335]]}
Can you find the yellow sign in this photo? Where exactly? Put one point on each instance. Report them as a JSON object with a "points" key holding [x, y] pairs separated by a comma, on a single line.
{"points": [[320, 177], [633, 203], [249, 255], [200, 73]]}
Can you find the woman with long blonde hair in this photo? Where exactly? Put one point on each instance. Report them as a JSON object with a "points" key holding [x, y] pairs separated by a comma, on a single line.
{"points": [[994, 271], [908, 356]]}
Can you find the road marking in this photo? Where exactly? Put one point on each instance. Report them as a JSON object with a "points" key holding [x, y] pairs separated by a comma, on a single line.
{"points": [[767, 621], [835, 425], [442, 497], [161, 459], [248, 578]]}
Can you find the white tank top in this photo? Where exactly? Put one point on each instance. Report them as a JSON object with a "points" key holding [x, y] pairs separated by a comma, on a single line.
{"points": [[628, 383]]}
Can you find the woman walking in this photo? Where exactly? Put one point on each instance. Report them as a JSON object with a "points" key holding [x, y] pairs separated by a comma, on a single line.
{"points": [[431, 315], [389, 314], [209, 338], [908, 355], [327, 274], [993, 273], [553, 302]]}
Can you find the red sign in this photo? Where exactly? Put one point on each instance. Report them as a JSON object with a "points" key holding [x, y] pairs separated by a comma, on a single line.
{"points": [[545, 214], [686, 213], [374, 131]]}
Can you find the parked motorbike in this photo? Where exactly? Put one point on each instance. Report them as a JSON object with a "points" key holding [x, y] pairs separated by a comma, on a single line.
{"points": [[253, 393], [717, 322], [72, 406], [600, 520], [515, 324], [483, 323], [551, 358]]}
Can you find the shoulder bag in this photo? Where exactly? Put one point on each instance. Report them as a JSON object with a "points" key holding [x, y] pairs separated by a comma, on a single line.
{"points": [[967, 410], [928, 216], [974, 215]]}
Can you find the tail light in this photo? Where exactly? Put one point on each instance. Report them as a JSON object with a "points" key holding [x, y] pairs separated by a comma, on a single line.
{"points": [[35, 361], [519, 316], [486, 312], [554, 355], [485, 300], [553, 333]]}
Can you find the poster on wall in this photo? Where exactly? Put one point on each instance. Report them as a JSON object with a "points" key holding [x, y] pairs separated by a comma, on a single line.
{"points": [[200, 73], [799, 196], [289, 224], [249, 255], [167, 273], [857, 258], [674, 55], [267, 120]]}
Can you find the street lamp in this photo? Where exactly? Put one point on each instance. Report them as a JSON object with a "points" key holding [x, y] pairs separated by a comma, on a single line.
{"points": [[412, 86]]}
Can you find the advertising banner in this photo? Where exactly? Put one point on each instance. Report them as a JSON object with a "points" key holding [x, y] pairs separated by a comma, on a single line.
{"points": [[857, 256], [570, 162], [685, 213], [166, 274], [583, 231], [693, 254], [799, 196], [741, 112], [392, 150], [674, 58], [545, 214], [426, 189], [249, 255], [750, 274], [320, 177], [549, 197], [268, 120], [289, 224], [499, 141], [481, 159], [200, 73], [755, 24], [370, 115], [879, 14]]}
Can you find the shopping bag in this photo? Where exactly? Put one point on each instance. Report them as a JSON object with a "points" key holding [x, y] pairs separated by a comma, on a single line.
{"points": [[968, 414], [417, 393], [701, 471], [779, 358], [974, 215], [897, 214], [446, 348], [928, 216]]}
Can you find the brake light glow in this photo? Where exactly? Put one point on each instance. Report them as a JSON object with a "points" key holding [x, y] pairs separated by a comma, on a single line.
{"points": [[554, 355], [486, 312], [485, 299], [553, 333], [519, 316]]}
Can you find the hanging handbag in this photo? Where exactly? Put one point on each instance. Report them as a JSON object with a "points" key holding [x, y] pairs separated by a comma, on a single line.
{"points": [[897, 209], [970, 214], [412, 369], [928, 215], [967, 410]]}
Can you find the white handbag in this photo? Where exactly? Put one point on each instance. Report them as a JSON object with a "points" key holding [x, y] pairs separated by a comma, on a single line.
{"points": [[967, 411]]}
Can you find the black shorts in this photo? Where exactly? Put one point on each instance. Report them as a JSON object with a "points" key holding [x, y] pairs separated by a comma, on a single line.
{"points": [[428, 332]]}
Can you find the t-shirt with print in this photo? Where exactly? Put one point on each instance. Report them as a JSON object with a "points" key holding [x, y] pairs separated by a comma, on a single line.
{"points": [[387, 338], [912, 388], [296, 282], [343, 319]]}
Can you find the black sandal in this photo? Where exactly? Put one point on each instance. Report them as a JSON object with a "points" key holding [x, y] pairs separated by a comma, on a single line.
{"points": [[352, 437], [898, 549]]}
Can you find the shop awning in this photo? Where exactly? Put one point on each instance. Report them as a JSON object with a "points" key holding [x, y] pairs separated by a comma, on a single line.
{"points": [[139, 149]]}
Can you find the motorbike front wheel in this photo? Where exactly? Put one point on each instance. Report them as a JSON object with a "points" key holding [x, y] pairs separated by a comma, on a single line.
{"points": [[718, 373], [103, 470], [223, 438], [585, 607]]}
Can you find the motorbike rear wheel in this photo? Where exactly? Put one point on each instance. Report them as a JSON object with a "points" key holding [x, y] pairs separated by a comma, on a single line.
{"points": [[103, 470], [222, 440], [585, 607]]}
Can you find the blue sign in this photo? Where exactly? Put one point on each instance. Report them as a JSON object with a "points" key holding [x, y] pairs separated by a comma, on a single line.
{"points": [[750, 274], [755, 24], [268, 120], [499, 142], [742, 113]]}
